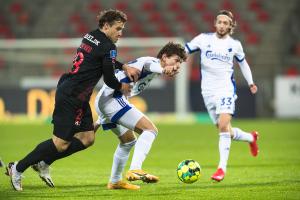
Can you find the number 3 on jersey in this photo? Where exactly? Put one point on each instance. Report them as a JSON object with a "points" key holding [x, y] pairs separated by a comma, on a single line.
{"points": [[77, 62]]}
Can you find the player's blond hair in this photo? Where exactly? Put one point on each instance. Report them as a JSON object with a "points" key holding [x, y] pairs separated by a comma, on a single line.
{"points": [[229, 14]]}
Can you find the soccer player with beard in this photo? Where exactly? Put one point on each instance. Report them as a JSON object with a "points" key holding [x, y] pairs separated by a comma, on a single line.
{"points": [[218, 52]]}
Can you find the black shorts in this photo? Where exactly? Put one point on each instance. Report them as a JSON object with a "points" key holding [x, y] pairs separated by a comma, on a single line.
{"points": [[70, 116]]}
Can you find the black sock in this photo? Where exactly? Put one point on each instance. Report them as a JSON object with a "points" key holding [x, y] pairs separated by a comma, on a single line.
{"points": [[41, 151], [75, 146]]}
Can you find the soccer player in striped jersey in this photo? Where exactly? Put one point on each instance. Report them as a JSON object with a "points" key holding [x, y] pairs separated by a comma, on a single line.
{"points": [[116, 113], [218, 52]]}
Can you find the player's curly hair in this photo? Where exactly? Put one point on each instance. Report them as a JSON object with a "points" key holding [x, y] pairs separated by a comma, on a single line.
{"points": [[233, 22], [110, 16], [172, 49]]}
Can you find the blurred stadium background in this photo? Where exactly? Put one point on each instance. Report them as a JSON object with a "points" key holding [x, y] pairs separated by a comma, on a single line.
{"points": [[30, 63], [38, 40]]}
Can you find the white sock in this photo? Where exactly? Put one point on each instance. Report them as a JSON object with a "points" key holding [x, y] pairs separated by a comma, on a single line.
{"points": [[240, 135], [119, 161], [142, 148], [224, 148]]}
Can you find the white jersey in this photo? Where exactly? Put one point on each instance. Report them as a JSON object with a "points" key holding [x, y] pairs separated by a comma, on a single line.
{"points": [[216, 62], [114, 110], [149, 66]]}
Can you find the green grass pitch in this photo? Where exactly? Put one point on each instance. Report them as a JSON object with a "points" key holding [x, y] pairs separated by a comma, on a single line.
{"points": [[274, 174]]}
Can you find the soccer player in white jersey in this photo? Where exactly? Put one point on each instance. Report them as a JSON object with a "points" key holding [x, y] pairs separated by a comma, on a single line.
{"points": [[116, 113], [218, 52]]}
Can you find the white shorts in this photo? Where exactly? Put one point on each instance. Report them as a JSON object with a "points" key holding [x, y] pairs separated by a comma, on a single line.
{"points": [[217, 104], [117, 114]]}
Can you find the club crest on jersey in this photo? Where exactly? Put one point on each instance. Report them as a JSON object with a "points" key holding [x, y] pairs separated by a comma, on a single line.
{"points": [[113, 54]]}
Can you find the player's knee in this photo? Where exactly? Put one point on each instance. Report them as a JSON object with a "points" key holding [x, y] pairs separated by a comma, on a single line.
{"points": [[89, 140], [145, 125], [60, 144], [154, 129], [61, 147], [223, 127]]}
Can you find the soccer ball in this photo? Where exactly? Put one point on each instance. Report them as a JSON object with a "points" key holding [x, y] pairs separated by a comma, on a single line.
{"points": [[188, 171]]}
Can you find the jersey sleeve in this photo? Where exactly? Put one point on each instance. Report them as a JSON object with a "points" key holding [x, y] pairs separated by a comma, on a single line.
{"points": [[119, 65], [137, 63], [109, 59], [246, 71], [194, 44], [239, 55], [154, 67]]}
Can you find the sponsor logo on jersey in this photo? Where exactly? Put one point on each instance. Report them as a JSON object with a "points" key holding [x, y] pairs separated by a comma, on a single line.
{"points": [[217, 56], [141, 86], [91, 39]]}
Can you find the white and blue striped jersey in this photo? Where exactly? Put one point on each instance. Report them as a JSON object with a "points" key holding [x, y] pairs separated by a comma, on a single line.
{"points": [[149, 66], [217, 56]]}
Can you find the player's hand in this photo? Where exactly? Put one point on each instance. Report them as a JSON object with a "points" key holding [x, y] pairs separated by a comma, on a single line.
{"points": [[126, 89], [168, 70], [171, 70], [132, 73], [177, 67], [253, 88]]}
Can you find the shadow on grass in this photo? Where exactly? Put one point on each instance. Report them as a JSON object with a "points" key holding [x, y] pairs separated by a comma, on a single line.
{"points": [[69, 191], [70, 188], [250, 166], [225, 185]]}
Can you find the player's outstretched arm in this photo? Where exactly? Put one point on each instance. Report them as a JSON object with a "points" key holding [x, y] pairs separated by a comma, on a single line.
{"points": [[246, 71], [131, 72]]}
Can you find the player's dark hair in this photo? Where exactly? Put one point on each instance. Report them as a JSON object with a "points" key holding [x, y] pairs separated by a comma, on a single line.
{"points": [[110, 16], [171, 49], [232, 22]]}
